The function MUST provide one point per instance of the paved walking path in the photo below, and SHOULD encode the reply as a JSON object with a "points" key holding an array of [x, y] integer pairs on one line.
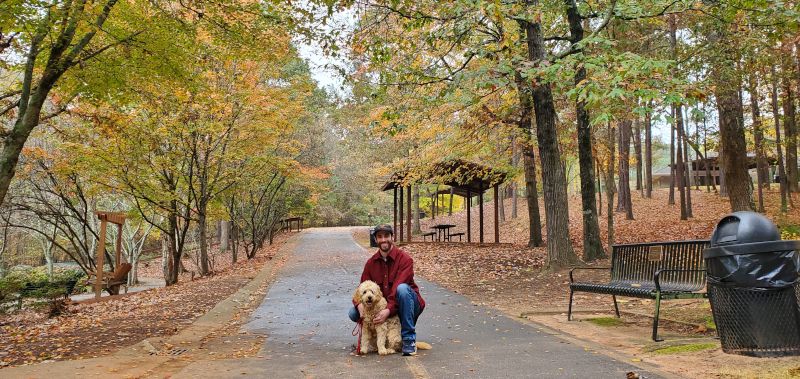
{"points": [[304, 317]]}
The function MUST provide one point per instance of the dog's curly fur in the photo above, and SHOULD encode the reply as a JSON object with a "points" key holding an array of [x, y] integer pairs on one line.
{"points": [[384, 337]]}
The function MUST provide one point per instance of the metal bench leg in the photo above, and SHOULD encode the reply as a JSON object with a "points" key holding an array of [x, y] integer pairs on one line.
{"points": [[616, 307], [569, 311], [655, 319]]}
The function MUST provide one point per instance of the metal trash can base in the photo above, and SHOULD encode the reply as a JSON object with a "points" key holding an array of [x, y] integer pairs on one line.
{"points": [[776, 330]]}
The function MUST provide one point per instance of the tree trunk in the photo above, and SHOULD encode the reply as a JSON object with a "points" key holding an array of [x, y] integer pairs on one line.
{"points": [[679, 173], [501, 212], [687, 164], [417, 229], [224, 235], [734, 156], [680, 169], [234, 242], [782, 184], [624, 202], [671, 200], [706, 162], [637, 147], [174, 264], [133, 275], [723, 188], [201, 224], [598, 175], [529, 162], [592, 245], [48, 257], [559, 247], [648, 153], [789, 130], [532, 195], [758, 136], [610, 187], [513, 188]]}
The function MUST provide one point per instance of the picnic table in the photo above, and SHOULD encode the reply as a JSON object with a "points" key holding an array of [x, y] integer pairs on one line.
{"points": [[443, 230], [287, 223]]}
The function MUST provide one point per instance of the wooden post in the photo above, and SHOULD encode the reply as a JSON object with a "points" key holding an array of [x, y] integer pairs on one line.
{"points": [[400, 221], [408, 209], [480, 211], [394, 219], [496, 216], [469, 217], [99, 261], [118, 246]]}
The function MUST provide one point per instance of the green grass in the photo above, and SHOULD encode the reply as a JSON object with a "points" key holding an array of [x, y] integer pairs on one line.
{"points": [[689, 348], [710, 322], [606, 321]]}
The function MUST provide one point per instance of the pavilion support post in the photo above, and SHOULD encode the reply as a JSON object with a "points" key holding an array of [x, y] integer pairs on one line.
{"points": [[450, 208], [480, 212], [469, 215], [394, 218], [99, 261], [400, 221], [408, 211], [496, 215]]}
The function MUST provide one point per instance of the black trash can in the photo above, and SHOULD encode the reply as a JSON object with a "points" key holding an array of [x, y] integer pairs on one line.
{"points": [[372, 242], [753, 287]]}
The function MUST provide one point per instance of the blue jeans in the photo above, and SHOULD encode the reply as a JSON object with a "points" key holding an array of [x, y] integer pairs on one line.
{"points": [[408, 311]]}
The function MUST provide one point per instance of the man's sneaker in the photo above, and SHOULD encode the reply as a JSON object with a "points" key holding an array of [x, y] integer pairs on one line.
{"points": [[409, 348]]}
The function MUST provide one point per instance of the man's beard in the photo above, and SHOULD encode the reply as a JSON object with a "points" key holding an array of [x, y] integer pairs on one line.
{"points": [[388, 246]]}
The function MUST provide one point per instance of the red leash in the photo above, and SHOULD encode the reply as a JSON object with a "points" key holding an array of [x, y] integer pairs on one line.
{"points": [[358, 333]]}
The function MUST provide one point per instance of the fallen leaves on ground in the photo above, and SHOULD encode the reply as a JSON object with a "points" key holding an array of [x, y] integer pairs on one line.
{"points": [[512, 277], [96, 329]]}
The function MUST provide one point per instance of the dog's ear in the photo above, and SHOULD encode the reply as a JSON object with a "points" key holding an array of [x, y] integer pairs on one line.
{"points": [[357, 295]]}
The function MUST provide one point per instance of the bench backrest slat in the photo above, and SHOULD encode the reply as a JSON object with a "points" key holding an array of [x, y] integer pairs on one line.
{"points": [[634, 263]]}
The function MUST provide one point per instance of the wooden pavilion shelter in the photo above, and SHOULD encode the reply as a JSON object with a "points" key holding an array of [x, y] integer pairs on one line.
{"points": [[467, 179]]}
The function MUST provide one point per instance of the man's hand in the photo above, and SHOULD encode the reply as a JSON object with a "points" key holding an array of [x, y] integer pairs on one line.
{"points": [[381, 317], [360, 310]]}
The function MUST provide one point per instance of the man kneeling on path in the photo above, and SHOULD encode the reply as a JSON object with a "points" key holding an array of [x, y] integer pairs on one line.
{"points": [[393, 270]]}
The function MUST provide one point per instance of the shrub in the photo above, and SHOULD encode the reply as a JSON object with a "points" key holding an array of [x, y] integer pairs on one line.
{"points": [[33, 283], [790, 232]]}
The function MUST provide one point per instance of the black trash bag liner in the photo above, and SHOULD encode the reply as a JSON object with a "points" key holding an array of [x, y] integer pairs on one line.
{"points": [[773, 264]]}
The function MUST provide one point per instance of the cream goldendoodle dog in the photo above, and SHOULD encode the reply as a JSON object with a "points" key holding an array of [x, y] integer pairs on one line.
{"points": [[386, 336]]}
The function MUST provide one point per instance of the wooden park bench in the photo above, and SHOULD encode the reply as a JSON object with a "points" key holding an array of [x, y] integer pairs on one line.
{"points": [[428, 234], [655, 270], [459, 234], [112, 281]]}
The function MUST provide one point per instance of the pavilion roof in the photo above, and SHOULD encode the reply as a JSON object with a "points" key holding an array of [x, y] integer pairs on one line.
{"points": [[462, 175]]}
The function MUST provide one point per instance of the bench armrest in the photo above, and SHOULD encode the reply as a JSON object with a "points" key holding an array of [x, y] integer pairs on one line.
{"points": [[571, 280], [658, 273]]}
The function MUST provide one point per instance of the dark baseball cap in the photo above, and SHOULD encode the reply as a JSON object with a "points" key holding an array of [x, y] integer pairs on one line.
{"points": [[383, 228]]}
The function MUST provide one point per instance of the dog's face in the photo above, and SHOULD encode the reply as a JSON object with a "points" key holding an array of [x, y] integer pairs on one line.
{"points": [[368, 293]]}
